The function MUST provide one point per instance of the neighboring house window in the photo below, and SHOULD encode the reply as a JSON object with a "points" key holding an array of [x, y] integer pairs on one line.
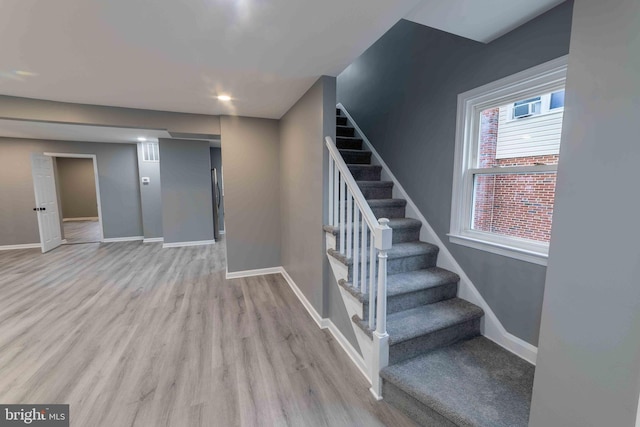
{"points": [[150, 152], [507, 150]]}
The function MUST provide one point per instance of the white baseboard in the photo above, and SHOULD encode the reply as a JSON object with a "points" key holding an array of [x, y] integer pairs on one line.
{"points": [[326, 323], [492, 327], [23, 246], [123, 239], [251, 273], [82, 218], [185, 244], [153, 240]]}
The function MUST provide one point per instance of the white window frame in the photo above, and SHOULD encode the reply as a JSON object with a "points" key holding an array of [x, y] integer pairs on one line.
{"points": [[545, 78]]}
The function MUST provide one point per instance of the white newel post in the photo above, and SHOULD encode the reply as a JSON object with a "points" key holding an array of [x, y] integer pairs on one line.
{"points": [[380, 336]]}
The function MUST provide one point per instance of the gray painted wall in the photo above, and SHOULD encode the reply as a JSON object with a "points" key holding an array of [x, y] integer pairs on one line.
{"points": [[403, 93], [251, 159], [588, 371], [52, 111], [150, 196], [117, 173], [77, 187], [187, 212], [216, 162]]}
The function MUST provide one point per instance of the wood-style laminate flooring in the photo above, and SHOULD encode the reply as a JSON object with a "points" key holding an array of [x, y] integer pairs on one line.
{"points": [[81, 231], [130, 334]]}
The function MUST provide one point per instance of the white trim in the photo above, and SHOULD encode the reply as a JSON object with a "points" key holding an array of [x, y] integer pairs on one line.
{"points": [[492, 328], [153, 240], [185, 244], [221, 231], [95, 176], [122, 239], [251, 273], [23, 246], [82, 218], [543, 78], [326, 323], [522, 254]]}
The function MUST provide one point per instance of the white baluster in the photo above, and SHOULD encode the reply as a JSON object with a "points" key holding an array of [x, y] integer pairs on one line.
{"points": [[363, 256], [331, 201], [343, 209], [356, 252], [372, 283], [336, 192], [349, 222]]}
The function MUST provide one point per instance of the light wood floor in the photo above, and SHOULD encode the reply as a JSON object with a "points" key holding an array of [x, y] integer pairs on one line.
{"points": [[130, 334], [81, 231]]}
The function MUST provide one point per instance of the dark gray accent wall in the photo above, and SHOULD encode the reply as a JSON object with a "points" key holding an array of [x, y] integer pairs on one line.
{"points": [[251, 160], [403, 93], [119, 190], [216, 162], [588, 371], [187, 212], [150, 197], [77, 186]]}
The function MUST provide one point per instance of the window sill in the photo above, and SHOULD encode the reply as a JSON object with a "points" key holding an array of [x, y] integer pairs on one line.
{"points": [[504, 249]]}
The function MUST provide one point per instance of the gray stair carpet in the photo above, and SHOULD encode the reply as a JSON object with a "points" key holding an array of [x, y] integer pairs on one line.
{"points": [[441, 371]]}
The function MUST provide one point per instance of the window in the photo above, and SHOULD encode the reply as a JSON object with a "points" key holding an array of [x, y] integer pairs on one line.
{"points": [[150, 152], [507, 150]]}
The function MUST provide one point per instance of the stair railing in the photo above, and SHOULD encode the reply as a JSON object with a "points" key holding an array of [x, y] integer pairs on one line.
{"points": [[360, 235]]}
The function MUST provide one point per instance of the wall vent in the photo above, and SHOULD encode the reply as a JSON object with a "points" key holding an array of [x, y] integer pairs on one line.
{"points": [[150, 152]]}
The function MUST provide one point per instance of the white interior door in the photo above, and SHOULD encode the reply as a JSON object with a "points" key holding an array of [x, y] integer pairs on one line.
{"points": [[44, 184]]}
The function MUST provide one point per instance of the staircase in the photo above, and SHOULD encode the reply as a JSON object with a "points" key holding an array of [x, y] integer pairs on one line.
{"points": [[440, 370]]}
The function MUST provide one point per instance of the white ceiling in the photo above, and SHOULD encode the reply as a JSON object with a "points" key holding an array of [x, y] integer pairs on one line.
{"points": [[178, 55], [68, 132], [480, 20]]}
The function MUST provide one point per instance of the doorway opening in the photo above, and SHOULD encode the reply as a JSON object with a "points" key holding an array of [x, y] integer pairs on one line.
{"points": [[78, 200]]}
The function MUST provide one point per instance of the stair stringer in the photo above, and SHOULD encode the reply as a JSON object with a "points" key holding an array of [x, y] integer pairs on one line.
{"points": [[353, 306], [491, 326]]}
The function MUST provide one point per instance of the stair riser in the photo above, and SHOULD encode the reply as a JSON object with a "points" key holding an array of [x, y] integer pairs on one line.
{"points": [[341, 121], [415, 409], [346, 131], [371, 193], [399, 235], [348, 144], [403, 265], [355, 158], [365, 174], [403, 302], [389, 212], [442, 338]]}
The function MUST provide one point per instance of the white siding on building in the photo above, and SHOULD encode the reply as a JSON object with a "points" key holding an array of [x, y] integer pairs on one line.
{"points": [[530, 136]]}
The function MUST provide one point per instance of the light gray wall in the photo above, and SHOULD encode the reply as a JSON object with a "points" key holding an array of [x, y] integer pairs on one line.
{"points": [[119, 190], [187, 212], [251, 160], [588, 371], [403, 93], [216, 162], [150, 196], [52, 111], [303, 165], [77, 187]]}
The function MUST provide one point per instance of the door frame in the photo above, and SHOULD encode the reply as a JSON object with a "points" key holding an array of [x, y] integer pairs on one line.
{"points": [[96, 177]]}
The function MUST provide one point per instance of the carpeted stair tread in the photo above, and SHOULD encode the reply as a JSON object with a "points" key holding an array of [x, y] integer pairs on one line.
{"points": [[470, 383], [366, 172], [398, 250], [387, 203], [385, 184], [410, 282]]}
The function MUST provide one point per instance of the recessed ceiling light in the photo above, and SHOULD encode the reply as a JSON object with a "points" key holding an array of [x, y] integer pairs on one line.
{"points": [[142, 139], [224, 98]]}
